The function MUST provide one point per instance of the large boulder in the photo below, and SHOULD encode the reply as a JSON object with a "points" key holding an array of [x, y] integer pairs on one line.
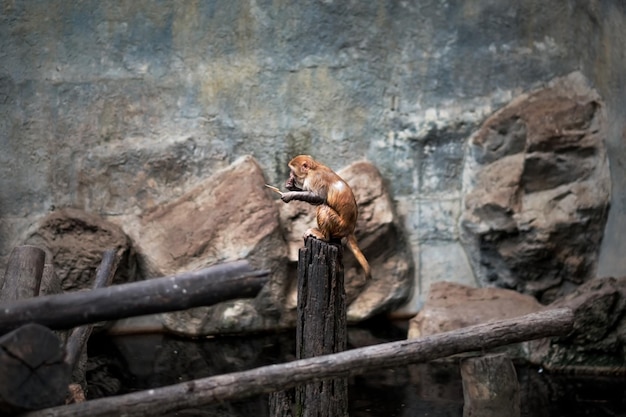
{"points": [[75, 241], [451, 306], [227, 217], [537, 191], [379, 236]]}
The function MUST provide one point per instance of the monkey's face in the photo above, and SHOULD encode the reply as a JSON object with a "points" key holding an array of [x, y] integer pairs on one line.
{"points": [[299, 166], [293, 184]]}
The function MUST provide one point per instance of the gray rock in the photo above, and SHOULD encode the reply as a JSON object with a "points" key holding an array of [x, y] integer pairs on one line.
{"points": [[537, 191], [598, 338]]}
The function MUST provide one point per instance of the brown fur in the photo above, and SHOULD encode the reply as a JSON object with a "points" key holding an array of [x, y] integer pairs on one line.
{"points": [[337, 216]]}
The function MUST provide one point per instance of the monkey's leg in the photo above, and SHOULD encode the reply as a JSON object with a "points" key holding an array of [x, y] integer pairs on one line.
{"points": [[329, 225]]}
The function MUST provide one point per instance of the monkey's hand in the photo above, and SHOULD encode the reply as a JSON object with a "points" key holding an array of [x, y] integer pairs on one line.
{"points": [[307, 196]]}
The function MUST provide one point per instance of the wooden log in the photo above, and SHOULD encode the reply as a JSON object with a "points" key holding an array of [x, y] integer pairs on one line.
{"points": [[321, 327], [178, 292], [490, 387], [23, 273], [33, 374], [267, 379]]}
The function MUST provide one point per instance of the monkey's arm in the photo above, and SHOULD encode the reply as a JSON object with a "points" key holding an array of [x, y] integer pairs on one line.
{"points": [[307, 196]]}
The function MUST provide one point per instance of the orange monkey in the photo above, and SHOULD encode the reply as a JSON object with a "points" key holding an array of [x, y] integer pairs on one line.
{"points": [[337, 211]]}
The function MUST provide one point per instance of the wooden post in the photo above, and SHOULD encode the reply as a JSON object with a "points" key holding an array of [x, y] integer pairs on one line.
{"points": [[23, 274], [490, 387], [321, 328]]}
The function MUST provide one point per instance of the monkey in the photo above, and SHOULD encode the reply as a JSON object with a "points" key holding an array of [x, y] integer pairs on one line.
{"points": [[337, 211]]}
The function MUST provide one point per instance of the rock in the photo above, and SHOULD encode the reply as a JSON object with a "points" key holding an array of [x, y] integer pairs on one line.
{"points": [[74, 241], [227, 217], [537, 190], [379, 236], [452, 306], [598, 339]]}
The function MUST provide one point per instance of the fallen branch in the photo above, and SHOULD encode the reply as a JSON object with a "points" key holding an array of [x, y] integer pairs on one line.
{"points": [[267, 379], [192, 289], [75, 352]]}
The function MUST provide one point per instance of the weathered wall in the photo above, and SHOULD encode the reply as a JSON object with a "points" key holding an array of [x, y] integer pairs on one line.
{"points": [[115, 107]]}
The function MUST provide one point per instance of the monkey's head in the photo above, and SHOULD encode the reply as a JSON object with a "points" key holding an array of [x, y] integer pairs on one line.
{"points": [[300, 167]]}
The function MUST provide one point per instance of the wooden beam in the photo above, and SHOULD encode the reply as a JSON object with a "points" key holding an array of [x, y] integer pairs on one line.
{"points": [[267, 379], [178, 292]]}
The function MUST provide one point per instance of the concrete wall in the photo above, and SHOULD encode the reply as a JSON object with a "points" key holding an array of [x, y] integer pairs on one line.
{"points": [[115, 107]]}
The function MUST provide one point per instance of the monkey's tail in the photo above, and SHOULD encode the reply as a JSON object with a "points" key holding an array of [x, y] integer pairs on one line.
{"points": [[354, 247]]}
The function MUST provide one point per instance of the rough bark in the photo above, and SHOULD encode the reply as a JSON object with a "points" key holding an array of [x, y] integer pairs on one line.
{"points": [[321, 328]]}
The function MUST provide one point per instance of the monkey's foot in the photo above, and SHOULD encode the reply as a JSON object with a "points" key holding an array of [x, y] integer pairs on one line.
{"points": [[315, 233]]}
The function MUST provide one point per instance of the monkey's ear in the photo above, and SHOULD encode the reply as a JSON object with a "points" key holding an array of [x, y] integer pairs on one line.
{"points": [[305, 166]]}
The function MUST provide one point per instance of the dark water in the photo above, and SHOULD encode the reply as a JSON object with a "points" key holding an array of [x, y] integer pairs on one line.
{"points": [[125, 364]]}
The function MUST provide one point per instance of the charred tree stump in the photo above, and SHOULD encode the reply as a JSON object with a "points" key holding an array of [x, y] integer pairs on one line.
{"points": [[321, 327], [23, 274], [33, 374], [490, 387]]}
